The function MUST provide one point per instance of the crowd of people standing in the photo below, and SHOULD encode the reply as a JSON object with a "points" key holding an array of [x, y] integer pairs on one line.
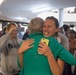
{"points": [[29, 56]]}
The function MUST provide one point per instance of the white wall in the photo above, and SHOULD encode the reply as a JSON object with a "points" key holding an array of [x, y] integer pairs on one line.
{"points": [[70, 18]]}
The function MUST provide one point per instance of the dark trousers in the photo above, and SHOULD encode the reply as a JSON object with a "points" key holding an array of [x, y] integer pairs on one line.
{"points": [[16, 74], [75, 71], [1, 74], [67, 70]]}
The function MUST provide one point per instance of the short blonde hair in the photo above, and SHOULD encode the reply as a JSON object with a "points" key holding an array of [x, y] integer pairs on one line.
{"points": [[36, 25]]}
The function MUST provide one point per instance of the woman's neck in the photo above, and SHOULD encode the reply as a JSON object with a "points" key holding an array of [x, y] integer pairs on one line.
{"points": [[13, 37]]}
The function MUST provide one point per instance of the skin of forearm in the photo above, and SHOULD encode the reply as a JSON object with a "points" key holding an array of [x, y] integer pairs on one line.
{"points": [[21, 59], [56, 70], [20, 53]]}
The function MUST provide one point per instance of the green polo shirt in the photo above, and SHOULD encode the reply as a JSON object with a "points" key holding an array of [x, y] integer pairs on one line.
{"points": [[37, 64]]}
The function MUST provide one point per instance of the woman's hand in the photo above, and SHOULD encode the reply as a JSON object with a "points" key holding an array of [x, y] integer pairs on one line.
{"points": [[44, 49], [26, 45], [56, 66], [13, 29]]}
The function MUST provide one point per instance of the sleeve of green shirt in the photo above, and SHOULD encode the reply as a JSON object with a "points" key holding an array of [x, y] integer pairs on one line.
{"points": [[60, 52], [65, 55]]}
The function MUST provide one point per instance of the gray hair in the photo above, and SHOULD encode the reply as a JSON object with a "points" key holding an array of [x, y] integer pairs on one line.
{"points": [[36, 25]]}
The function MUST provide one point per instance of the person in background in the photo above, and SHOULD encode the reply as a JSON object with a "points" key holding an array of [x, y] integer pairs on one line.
{"points": [[40, 52], [67, 70], [72, 41], [26, 34], [9, 44], [66, 29], [3, 31], [61, 30], [20, 31], [72, 45]]}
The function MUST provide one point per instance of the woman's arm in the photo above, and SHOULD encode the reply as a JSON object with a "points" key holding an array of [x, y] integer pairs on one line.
{"points": [[5, 38], [55, 66], [21, 59], [61, 64], [24, 47]]}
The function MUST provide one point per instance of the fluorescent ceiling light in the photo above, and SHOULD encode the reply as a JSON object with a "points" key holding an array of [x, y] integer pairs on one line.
{"points": [[25, 19], [1, 2], [19, 18], [41, 9]]}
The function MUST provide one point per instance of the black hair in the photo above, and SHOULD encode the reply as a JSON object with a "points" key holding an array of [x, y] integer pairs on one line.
{"points": [[55, 19], [65, 27]]}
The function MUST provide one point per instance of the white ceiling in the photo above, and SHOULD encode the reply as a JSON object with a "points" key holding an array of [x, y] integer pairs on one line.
{"points": [[10, 9]]}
